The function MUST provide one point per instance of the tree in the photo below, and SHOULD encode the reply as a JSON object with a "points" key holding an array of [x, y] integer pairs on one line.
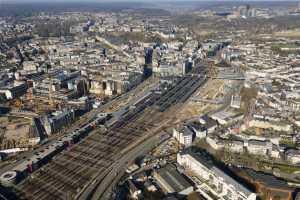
{"points": [[194, 196]]}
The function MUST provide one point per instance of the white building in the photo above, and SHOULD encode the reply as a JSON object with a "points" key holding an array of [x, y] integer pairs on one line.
{"points": [[212, 182], [275, 153], [184, 136], [235, 146], [258, 147], [207, 126], [200, 131]]}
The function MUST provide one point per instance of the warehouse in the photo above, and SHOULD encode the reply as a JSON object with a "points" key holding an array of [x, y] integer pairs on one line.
{"points": [[171, 181]]}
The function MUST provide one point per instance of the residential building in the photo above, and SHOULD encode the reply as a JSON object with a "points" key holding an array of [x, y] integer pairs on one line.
{"points": [[212, 182], [235, 146], [258, 147], [184, 136]]}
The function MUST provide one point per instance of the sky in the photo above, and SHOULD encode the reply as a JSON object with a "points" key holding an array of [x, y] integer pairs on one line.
{"points": [[7, 1], [140, 1]]}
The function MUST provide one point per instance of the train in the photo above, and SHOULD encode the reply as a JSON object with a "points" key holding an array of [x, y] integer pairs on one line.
{"points": [[43, 156]]}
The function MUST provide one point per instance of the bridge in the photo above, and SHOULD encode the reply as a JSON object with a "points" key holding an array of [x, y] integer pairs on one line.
{"points": [[211, 101], [229, 76]]}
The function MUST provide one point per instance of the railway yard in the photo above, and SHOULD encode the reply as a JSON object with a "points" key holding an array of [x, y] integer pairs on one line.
{"points": [[68, 174], [129, 100]]}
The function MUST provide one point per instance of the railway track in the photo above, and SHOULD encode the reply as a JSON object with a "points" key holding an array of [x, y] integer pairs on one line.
{"points": [[70, 171], [180, 92]]}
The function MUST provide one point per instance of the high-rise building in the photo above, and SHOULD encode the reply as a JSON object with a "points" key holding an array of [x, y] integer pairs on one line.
{"points": [[246, 11], [252, 12], [148, 55]]}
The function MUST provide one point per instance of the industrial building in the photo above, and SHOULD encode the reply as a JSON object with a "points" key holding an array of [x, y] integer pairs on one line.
{"points": [[172, 182]]}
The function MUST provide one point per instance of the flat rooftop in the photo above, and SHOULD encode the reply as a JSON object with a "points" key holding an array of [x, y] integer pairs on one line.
{"points": [[173, 178]]}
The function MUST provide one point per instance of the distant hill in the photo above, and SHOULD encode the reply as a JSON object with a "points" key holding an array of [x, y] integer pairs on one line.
{"points": [[150, 7], [29, 9]]}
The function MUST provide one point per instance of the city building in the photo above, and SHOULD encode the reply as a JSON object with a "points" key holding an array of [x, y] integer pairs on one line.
{"points": [[29, 66], [235, 146], [14, 90], [273, 187], [57, 120], [184, 136], [258, 147], [210, 181]]}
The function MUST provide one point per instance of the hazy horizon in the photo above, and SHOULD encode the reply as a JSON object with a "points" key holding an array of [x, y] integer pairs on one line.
{"points": [[140, 1]]}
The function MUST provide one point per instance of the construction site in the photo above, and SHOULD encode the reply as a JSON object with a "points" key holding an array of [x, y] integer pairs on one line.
{"points": [[38, 102], [17, 132]]}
